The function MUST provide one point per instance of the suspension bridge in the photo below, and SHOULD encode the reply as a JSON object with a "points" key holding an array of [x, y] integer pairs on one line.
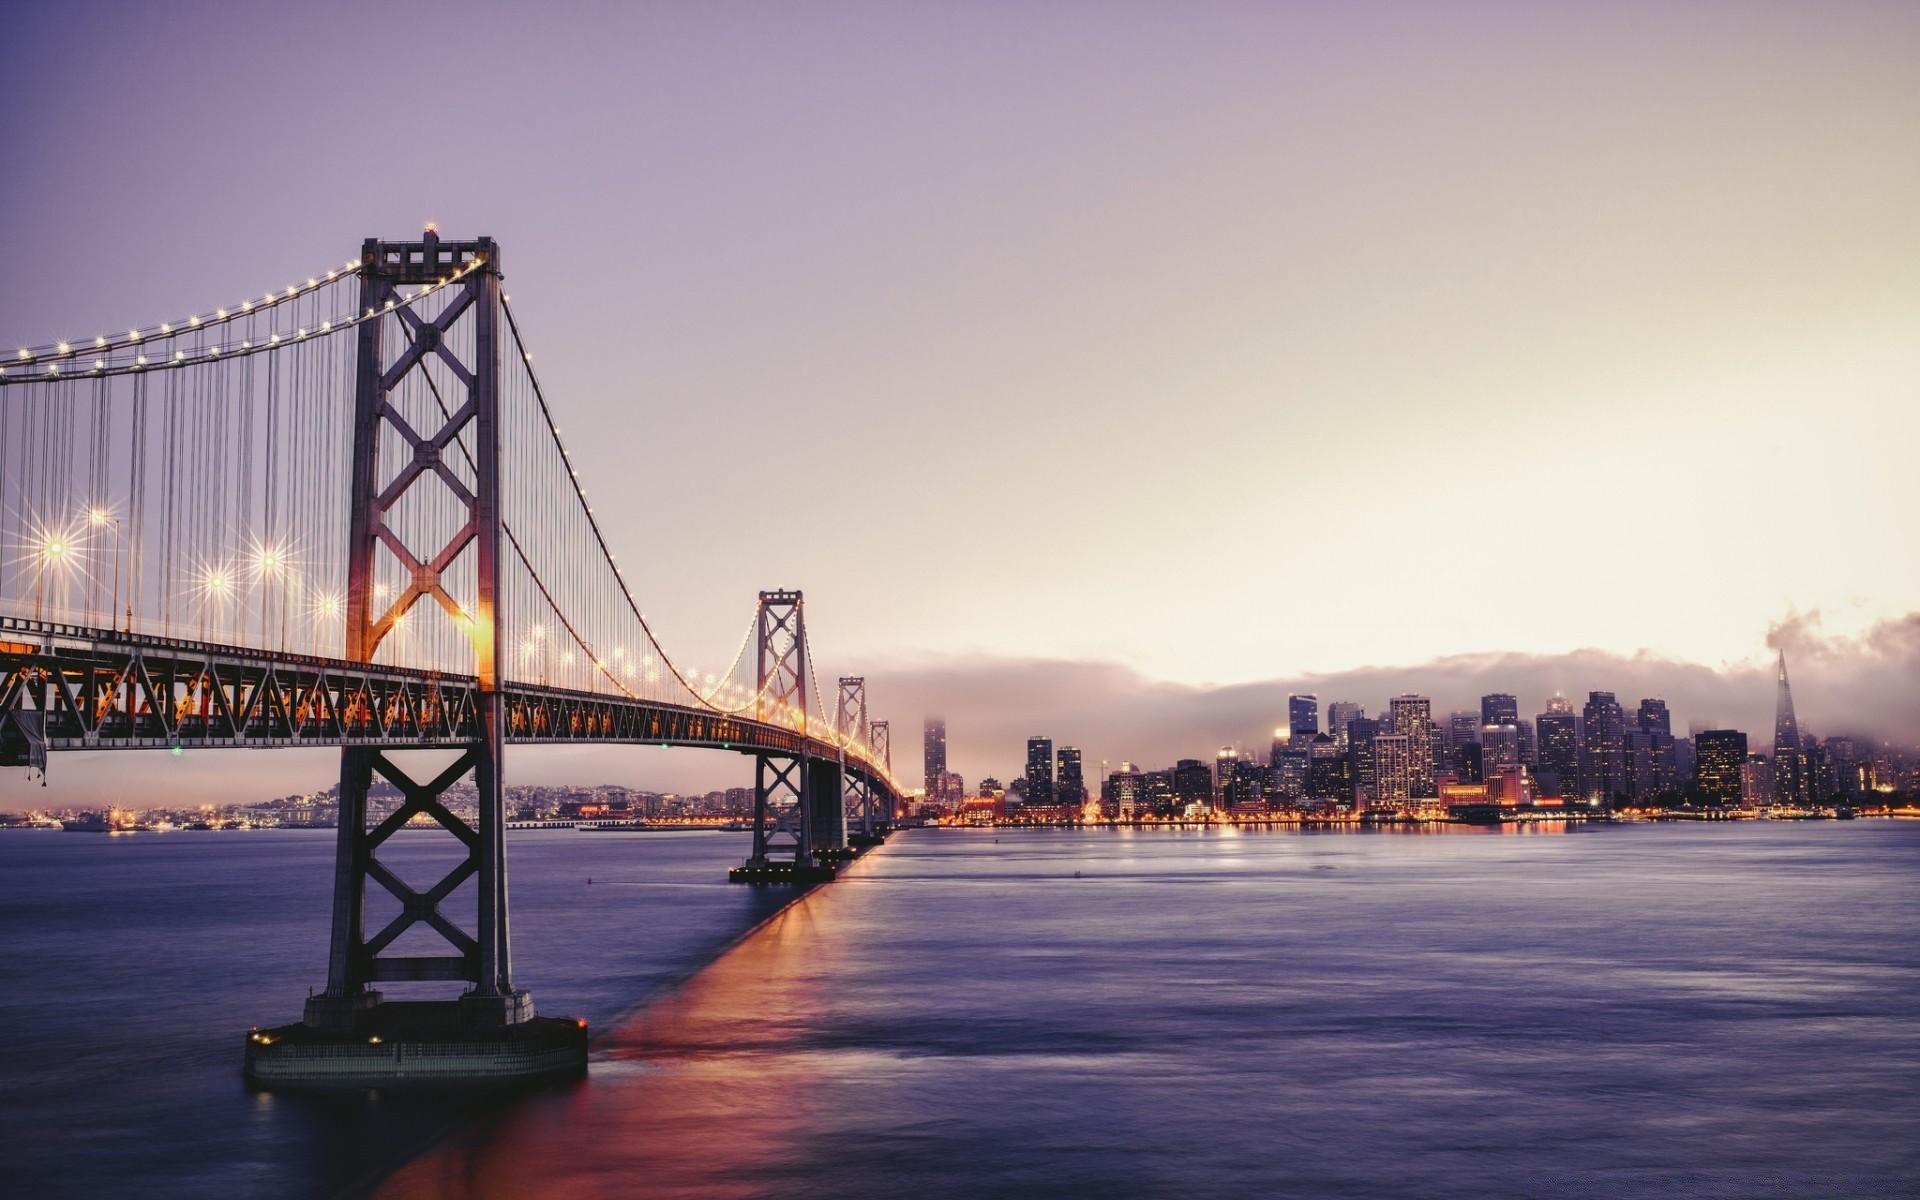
{"points": [[341, 514]]}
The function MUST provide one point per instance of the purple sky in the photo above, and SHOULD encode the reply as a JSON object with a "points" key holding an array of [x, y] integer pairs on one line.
{"points": [[1186, 344]]}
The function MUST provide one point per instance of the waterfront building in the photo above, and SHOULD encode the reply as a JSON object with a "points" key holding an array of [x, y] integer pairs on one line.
{"points": [[1303, 716], [1603, 757], [935, 748], [1721, 755], [1529, 751], [1510, 785], [1069, 780], [1395, 768], [1039, 771], [1123, 793], [1412, 718], [1192, 783]]}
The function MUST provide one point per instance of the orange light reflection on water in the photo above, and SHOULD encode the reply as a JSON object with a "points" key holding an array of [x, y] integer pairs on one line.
{"points": [[700, 1094]]}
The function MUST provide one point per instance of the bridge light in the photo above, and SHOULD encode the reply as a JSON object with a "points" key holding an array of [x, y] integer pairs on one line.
{"points": [[165, 328], [194, 321], [99, 340], [26, 356], [65, 349], [98, 517], [221, 313]]}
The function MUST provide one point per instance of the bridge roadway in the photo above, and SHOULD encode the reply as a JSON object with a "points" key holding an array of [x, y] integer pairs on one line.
{"points": [[75, 687]]}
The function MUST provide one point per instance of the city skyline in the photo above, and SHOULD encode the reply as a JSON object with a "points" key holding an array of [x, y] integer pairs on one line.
{"points": [[1240, 314], [1219, 245]]}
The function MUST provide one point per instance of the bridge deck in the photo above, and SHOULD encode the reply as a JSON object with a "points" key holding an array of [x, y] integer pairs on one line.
{"points": [[73, 687]]}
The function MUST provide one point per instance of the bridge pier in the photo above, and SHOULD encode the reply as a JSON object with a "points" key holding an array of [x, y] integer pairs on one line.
{"points": [[351, 1033]]}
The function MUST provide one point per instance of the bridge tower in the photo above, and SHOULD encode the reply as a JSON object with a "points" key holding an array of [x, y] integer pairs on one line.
{"points": [[796, 797], [395, 456], [880, 746], [856, 790]]}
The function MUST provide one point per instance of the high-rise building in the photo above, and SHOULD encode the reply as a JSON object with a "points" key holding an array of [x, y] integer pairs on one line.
{"points": [[1657, 723], [1290, 773], [1467, 763], [1069, 782], [1040, 771], [1412, 718], [1499, 709], [1395, 767], [1192, 782], [1499, 747], [1360, 765], [1326, 770], [1339, 714], [1123, 792], [1558, 736], [1303, 716], [1790, 781], [1603, 765], [936, 755], [1756, 781], [1721, 755], [1462, 727], [1529, 751]]}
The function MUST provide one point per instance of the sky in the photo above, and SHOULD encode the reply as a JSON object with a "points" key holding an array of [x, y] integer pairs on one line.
{"points": [[1221, 349]]}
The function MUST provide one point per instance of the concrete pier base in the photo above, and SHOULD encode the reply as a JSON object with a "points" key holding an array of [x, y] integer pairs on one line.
{"points": [[442, 1043]]}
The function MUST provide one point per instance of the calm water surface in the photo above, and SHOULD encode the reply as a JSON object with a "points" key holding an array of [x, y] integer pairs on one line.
{"points": [[1628, 1011]]}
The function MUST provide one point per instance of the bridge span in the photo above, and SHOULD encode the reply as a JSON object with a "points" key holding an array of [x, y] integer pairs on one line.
{"points": [[340, 514]]}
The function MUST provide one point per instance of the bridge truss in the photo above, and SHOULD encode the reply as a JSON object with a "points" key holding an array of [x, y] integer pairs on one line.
{"points": [[341, 514]]}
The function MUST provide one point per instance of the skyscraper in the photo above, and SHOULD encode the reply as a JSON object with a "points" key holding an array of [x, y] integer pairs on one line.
{"points": [[1603, 765], [1499, 709], [1069, 782], [936, 755], [1394, 767], [1499, 747], [1462, 727], [1412, 718], [1339, 714], [1657, 723], [1040, 771], [1360, 765], [1789, 754], [1721, 755], [1303, 716], [1558, 737]]}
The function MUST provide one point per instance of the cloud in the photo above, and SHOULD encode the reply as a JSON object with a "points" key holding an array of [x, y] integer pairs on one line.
{"points": [[1867, 684]]}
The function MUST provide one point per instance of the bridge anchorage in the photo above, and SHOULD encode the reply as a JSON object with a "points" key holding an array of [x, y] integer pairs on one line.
{"points": [[341, 515]]}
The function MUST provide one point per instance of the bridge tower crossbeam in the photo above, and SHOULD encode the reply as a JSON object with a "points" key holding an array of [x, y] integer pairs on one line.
{"points": [[856, 789], [470, 423]]}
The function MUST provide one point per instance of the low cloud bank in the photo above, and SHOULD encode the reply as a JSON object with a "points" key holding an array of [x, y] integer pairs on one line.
{"points": [[1867, 684]]}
